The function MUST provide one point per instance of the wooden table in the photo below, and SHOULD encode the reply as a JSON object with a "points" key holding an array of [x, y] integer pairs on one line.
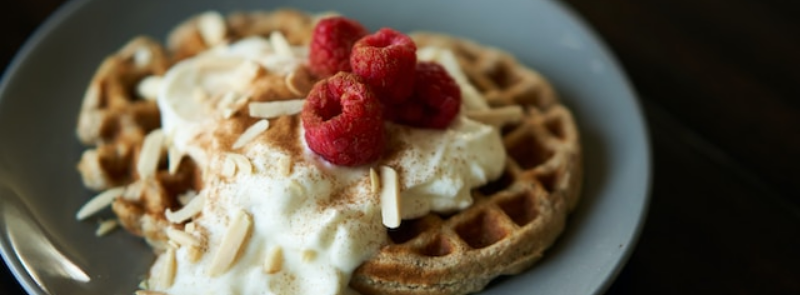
{"points": [[720, 85]]}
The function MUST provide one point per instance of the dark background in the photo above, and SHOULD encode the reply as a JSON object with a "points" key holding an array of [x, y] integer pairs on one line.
{"points": [[719, 81]]}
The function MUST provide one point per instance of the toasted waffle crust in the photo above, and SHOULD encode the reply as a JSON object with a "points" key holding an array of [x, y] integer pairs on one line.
{"points": [[515, 218], [512, 222]]}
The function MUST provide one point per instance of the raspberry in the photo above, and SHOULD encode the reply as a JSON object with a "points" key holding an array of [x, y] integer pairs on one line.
{"points": [[343, 121], [436, 99], [331, 42], [386, 60]]}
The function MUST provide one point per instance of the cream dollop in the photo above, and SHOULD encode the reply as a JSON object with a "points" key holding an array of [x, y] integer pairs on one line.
{"points": [[324, 219]]}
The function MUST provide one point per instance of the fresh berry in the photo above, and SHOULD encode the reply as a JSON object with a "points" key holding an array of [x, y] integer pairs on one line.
{"points": [[386, 60], [343, 121], [436, 99], [331, 42]]}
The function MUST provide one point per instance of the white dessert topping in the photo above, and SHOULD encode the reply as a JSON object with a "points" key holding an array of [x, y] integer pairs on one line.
{"points": [[308, 220]]}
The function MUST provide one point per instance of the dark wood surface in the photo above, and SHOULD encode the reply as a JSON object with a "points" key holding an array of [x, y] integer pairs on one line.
{"points": [[719, 81]]}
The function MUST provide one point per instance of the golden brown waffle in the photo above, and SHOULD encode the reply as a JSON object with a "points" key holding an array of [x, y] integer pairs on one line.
{"points": [[513, 221], [187, 40], [515, 218], [114, 117]]}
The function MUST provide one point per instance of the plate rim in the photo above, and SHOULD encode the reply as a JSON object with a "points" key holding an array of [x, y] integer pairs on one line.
{"points": [[67, 9]]}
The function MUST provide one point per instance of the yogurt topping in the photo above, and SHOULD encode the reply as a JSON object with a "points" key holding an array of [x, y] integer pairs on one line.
{"points": [[324, 218]]}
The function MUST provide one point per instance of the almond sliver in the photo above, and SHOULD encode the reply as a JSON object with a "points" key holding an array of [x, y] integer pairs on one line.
{"points": [[285, 165], [167, 272], [390, 197], [281, 46], [273, 109], [212, 27], [194, 207], [241, 162], [228, 167], [251, 133], [99, 202], [174, 156], [150, 154], [106, 227], [374, 181], [248, 71], [309, 255], [149, 87], [232, 242], [182, 238], [274, 260]]}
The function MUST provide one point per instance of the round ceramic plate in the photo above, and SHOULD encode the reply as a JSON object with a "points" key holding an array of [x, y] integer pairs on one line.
{"points": [[52, 253]]}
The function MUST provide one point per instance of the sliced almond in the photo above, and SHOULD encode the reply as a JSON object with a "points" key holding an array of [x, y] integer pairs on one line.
{"points": [[309, 255], [133, 191], [182, 238], [166, 274], [374, 181], [150, 154], [273, 263], [231, 102], [274, 109], [194, 253], [194, 207], [149, 87], [232, 243], [251, 133], [174, 157], [99, 202], [241, 162], [248, 71], [173, 244], [142, 285], [390, 197], [281, 46], [91, 99], [212, 27], [190, 227], [299, 82], [285, 165], [228, 167], [497, 116], [228, 113], [106, 227], [228, 99]]}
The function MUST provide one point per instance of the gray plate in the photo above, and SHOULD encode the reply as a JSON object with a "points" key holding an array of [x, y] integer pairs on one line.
{"points": [[40, 95]]}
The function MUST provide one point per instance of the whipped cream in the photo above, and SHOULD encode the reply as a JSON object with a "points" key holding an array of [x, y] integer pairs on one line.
{"points": [[324, 218]]}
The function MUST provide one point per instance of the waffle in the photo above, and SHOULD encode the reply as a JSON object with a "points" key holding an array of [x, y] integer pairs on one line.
{"points": [[513, 220], [113, 118]]}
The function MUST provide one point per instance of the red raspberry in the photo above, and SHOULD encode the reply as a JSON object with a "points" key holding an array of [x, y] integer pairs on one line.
{"points": [[436, 99], [343, 121], [331, 41], [386, 60]]}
